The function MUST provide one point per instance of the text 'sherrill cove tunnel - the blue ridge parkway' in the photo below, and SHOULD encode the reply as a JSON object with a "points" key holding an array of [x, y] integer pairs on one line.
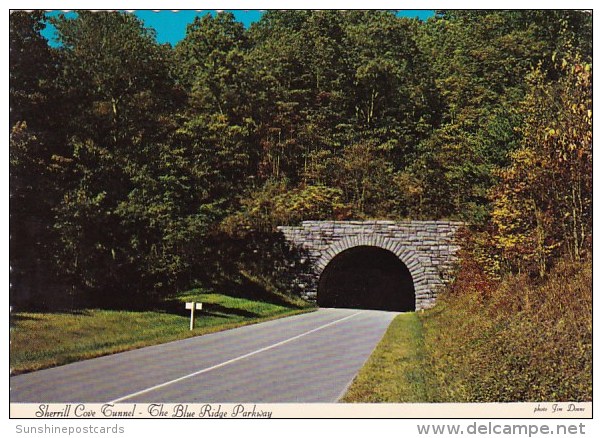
{"points": [[382, 265]]}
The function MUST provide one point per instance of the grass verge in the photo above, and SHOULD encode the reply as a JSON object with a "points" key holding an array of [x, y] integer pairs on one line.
{"points": [[394, 373], [43, 340]]}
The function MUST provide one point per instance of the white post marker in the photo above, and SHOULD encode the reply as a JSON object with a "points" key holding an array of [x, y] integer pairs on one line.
{"points": [[193, 306]]}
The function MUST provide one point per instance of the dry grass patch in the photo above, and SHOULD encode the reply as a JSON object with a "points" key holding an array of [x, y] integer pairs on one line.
{"points": [[521, 341]]}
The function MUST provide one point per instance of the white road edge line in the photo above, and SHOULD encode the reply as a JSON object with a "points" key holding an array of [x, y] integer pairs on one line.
{"points": [[219, 365]]}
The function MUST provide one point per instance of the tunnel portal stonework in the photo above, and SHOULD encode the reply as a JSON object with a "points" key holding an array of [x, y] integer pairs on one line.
{"points": [[426, 248]]}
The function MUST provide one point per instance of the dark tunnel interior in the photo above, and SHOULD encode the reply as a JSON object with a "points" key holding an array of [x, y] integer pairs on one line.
{"points": [[367, 277]]}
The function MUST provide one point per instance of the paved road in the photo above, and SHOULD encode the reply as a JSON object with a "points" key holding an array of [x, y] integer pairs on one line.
{"points": [[304, 358]]}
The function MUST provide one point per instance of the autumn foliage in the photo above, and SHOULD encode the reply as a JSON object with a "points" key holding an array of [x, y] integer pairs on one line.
{"points": [[542, 206]]}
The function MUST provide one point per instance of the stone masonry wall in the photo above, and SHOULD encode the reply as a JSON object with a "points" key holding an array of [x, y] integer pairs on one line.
{"points": [[427, 248]]}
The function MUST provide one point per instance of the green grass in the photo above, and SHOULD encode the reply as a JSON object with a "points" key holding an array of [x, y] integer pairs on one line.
{"points": [[394, 373], [43, 340]]}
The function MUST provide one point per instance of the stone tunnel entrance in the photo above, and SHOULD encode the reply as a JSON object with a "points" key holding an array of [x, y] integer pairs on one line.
{"points": [[367, 277]]}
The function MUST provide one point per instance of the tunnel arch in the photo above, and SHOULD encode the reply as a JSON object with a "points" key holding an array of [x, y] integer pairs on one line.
{"points": [[367, 277], [428, 249], [408, 259]]}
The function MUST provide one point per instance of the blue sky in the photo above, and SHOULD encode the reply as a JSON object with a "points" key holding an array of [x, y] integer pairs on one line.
{"points": [[171, 26]]}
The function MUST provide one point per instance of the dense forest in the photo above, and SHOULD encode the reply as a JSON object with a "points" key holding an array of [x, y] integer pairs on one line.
{"points": [[139, 169]]}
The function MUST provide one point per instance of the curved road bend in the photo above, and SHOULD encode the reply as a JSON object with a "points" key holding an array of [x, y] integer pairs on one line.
{"points": [[311, 357]]}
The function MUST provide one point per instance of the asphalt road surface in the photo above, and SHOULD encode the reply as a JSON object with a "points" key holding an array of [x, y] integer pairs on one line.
{"points": [[304, 358]]}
